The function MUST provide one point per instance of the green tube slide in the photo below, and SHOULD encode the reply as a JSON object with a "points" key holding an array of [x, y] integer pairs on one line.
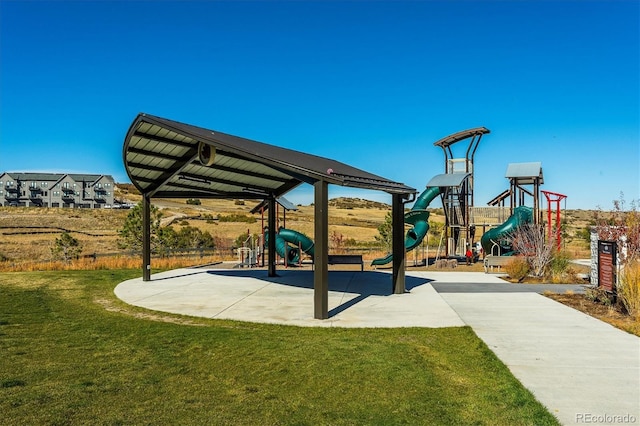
{"points": [[497, 241], [284, 237], [418, 216]]}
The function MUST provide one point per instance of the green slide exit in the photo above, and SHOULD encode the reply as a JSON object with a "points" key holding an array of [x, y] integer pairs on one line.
{"points": [[497, 240], [284, 250]]}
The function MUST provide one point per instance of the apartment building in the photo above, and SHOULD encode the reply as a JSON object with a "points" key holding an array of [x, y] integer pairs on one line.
{"points": [[56, 190]]}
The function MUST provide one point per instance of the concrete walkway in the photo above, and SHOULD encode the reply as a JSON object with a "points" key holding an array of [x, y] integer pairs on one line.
{"points": [[583, 370], [356, 299]]}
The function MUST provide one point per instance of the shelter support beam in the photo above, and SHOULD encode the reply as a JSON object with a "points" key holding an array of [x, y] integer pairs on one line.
{"points": [[146, 238], [399, 252], [271, 224], [321, 251]]}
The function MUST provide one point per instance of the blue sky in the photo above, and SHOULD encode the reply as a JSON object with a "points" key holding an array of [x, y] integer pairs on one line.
{"points": [[373, 84]]}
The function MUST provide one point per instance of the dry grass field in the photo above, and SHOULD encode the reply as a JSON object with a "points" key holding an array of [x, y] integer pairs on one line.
{"points": [[28, 234]]}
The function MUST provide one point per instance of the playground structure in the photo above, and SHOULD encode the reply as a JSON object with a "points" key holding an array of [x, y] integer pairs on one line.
{"points": [[496, 241], [250, 252], [301, 244], [284, 237], [418, 217], [456, 189], [498, 220], [458, 195]]}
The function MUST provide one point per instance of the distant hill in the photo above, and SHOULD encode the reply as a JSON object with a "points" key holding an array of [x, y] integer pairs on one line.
{"points": [[356, 203]]}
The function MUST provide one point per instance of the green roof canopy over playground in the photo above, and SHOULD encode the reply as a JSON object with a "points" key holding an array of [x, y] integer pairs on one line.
{"points": [[169, 159]]}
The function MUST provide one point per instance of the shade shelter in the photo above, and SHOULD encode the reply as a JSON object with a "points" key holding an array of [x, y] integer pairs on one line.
{"points": [[169, 159]]}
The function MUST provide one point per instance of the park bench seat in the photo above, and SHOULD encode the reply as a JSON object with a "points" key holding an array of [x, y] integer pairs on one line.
{"points": [[346, 259], [491, 262]]}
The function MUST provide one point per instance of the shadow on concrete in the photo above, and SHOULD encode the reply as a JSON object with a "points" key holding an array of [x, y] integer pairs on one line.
{"points": [[364, 284], [171, 277]]}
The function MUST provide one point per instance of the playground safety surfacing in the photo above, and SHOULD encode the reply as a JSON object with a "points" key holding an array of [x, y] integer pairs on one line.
{"points": [[577, 366]]}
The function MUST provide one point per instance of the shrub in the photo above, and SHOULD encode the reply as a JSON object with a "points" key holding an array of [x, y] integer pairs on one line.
{"points": [[629, 288], [239, 202], [350, 242], [235, 217], [559, 262], [530, 240], [66, 248], [247, 239], [599, 295], [336, 241], [518, 268], [194, 201], [559, 269]]}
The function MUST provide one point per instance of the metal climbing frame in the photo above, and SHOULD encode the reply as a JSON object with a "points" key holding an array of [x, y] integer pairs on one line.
{"points": [[458, 200]]}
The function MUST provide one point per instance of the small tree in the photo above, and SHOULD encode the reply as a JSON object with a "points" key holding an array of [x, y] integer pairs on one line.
{"points": [[131, 232], [336, 241], [194, 238], [435, 230], [529, 241], [66, 248], [167, 240], [385, 230]]}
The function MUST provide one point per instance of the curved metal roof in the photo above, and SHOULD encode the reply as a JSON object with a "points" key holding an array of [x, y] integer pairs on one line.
{"points": [[169, 159], [457, 137]]}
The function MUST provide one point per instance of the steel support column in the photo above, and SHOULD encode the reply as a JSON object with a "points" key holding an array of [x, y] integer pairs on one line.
{"points": [[146, 238], [321, 251], [399, 252], [271, 224]]}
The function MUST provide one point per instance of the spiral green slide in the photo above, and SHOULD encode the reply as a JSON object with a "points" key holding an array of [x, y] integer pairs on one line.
{"points": [[418, 216], [284, 250], [498, 238]]}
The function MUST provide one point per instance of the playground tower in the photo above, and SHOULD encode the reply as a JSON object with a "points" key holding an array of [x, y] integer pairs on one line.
{"points": [[457, 189], [525, 180]]}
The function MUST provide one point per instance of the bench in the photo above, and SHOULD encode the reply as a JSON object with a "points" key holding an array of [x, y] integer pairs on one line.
{"points": [[346, 259], [491, 262]]}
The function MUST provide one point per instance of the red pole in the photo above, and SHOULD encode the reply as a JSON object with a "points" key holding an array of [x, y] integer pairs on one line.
{"points": [[557, 199], [558, 224], [548, 218]]}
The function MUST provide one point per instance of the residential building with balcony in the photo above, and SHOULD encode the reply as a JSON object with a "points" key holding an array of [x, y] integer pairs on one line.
{"points": [[56, 190]]}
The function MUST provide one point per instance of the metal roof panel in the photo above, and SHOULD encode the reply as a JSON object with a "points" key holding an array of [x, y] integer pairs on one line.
{"points": [[246, 163], [525, 170]]}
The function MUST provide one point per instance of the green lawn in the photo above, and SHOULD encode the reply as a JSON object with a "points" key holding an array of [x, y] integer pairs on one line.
{"points": [[71, 353]]}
